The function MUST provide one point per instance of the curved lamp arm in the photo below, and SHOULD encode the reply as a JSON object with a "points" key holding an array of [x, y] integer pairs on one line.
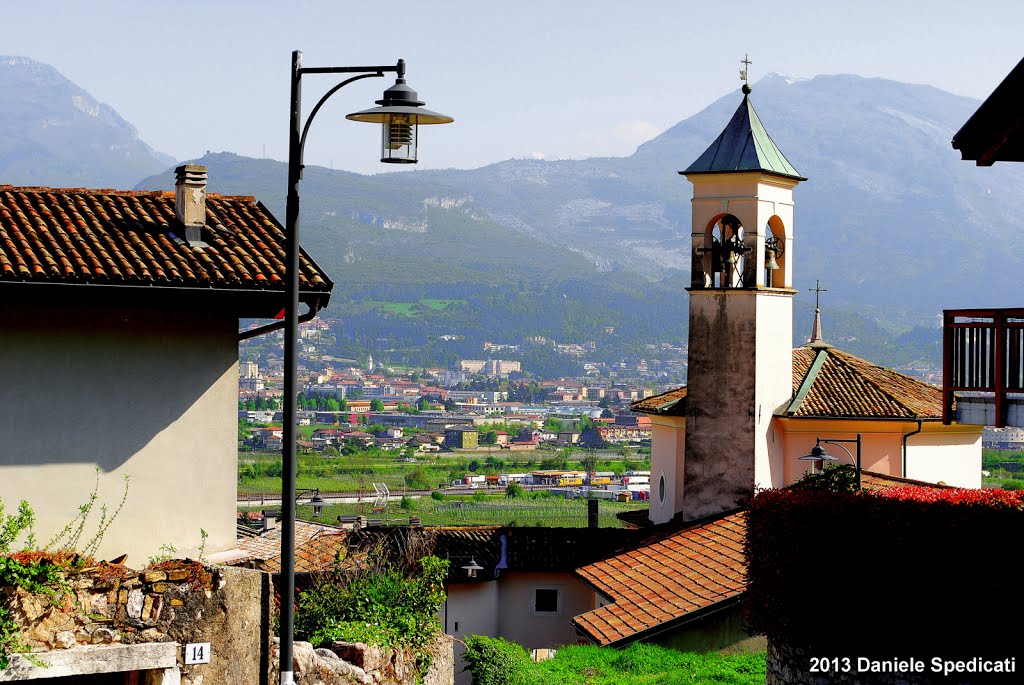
{"points": [[837, 444], [327, 95]]}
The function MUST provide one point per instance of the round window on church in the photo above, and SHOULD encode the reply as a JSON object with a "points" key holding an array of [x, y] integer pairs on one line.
{"points": [[661, 488]]}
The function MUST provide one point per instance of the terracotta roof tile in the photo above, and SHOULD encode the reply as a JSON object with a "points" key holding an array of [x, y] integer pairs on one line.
{"points": [[666, 578], [117, 237], [669, 402], [676, 573], [844, 387], [267, 547], [850, 387]]}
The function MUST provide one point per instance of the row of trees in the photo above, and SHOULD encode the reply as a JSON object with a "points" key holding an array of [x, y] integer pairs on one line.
{"points": [[259, 404]]}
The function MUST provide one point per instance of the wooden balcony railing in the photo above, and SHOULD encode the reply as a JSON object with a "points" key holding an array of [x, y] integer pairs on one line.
{"points": [[982, 351]]}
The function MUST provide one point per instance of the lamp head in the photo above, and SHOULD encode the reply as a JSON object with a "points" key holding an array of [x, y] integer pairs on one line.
{"points": [[471, 568], [317, 502], [818, 453], [400, 113]]}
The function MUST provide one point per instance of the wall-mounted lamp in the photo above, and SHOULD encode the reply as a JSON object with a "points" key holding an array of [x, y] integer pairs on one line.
{"points": [[471, 568], [819, 456]]}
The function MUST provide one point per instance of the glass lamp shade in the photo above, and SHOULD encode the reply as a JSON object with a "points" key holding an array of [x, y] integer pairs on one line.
{"points": [[398, 140]]}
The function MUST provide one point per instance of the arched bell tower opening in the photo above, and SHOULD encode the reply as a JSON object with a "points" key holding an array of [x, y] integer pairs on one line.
{"points": [[775, 261], [741, 317], [719, 259]]}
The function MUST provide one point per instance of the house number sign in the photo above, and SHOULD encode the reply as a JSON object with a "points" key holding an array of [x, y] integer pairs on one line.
{"points": [[197, 653]]}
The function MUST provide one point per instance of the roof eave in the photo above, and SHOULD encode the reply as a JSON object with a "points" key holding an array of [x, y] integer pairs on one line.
{"points": [[671, 624], [768, 172]]}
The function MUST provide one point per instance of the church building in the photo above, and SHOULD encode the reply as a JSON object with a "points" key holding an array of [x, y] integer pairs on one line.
{"points": [[752, 407]]}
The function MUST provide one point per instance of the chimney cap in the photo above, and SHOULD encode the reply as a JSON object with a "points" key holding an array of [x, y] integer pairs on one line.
{"points": [[190, 173], [190, 167]]}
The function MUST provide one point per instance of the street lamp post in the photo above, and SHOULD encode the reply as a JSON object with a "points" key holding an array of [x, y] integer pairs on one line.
{"points": [[400, 113], [818, 453]]}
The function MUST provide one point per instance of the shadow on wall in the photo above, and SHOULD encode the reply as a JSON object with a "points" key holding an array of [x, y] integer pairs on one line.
{"points": [[96, 384]]}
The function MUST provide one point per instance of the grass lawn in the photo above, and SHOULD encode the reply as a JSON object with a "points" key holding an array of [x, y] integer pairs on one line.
{"points": [[642, 664]]}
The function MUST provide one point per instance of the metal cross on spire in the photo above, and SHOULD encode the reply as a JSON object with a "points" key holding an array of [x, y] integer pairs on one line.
{"points": [[746, 67], [817, 290], [816, 338]]}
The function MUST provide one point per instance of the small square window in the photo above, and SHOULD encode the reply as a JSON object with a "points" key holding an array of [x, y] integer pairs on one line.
{"points": [[545, 601]]}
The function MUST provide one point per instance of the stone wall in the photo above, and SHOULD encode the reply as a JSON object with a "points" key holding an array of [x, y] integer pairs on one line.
{"points": [[347, 663], [177, 603]]}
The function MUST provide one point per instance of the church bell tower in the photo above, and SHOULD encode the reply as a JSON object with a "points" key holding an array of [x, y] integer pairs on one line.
{"points": [[741, 316]]}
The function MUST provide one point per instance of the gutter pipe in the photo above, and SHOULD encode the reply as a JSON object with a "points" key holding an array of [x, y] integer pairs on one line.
{"points": [[278, 325], [913, 432]]}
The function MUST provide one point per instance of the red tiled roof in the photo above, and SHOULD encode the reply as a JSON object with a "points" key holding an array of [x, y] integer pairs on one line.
{"points": [[492, 547], [669, 402], [312, 555], [121, 238], [842, 386], [850, 387], [267, 546], [678, 573], [666, 579]]}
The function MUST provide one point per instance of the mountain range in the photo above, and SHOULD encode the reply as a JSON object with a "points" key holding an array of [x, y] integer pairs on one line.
{"points": [[890, 220], [54, 133]]}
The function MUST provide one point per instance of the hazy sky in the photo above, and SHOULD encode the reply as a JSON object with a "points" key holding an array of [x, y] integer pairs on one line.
{"points": [[552, 79]]}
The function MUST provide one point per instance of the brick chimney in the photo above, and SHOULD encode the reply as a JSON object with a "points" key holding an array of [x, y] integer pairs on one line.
{"points": [[190, 201]]}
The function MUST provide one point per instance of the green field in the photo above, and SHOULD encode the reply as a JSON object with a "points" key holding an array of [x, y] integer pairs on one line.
{"points": [[413, 308], [259, 472], [1005, 468], [480, 510]]}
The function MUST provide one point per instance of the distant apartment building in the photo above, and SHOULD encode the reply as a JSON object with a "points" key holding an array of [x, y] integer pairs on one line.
{"points": [[490, 367], [502, 368], [248, 370], [256, 416], [488, 396], [328, 390], [251, 384], [461, 438], [499, 347], [626, 431], [1009, 438], [472, 365], [453, 377]]}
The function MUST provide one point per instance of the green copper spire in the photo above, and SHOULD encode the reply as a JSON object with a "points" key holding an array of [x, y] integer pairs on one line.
{"points": [[744, 145]]}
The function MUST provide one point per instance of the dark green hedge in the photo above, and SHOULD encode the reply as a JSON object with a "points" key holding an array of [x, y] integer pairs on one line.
{"points": [[906, 571]]}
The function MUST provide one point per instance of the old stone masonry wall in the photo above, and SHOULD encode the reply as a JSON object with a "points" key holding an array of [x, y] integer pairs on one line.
{"points": [[112, 609], [346, 663]]}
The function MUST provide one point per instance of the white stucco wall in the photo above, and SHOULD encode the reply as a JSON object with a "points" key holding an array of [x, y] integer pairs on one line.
{"points": [[774, 384], [151, 395], [519, 623], [471, 609], [953, 458], [504, 608], [668, 442]]}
